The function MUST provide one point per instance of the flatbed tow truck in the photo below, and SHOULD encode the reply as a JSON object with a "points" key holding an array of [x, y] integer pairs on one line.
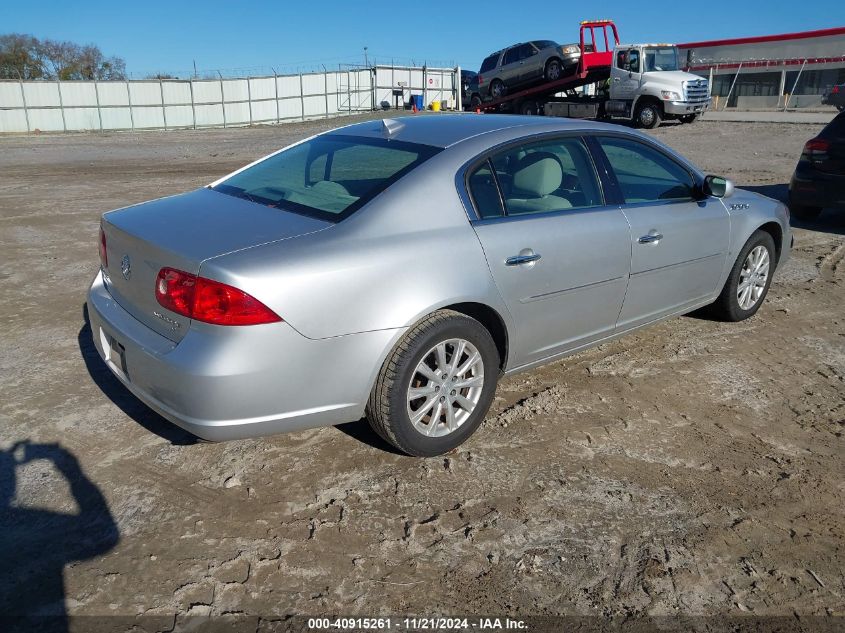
{"points": [[631, 84]]}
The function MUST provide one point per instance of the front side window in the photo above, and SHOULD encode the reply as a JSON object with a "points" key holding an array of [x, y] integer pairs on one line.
{"points": [[511, 56], [633, 60], [328, 177], [645, 174], [541, 44], [540, 177]]}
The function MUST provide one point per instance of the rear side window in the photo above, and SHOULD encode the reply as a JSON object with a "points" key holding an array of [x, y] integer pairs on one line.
{"points": [[540, 177], [835, 128], [489, 63], [328, 177], [645, 174]]}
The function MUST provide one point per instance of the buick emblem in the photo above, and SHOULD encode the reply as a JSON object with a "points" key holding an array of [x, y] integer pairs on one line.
{"points": [[126, 267]]}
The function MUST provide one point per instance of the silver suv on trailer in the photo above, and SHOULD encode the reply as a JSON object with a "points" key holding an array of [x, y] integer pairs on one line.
{"points": [[526, 63]]}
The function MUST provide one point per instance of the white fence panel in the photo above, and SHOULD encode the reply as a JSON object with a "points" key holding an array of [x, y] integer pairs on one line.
{"points": [[207, 92], [113, 93], [13, 121], [46, 120], [11, 95], [153, 104], [148, 117], [82, 119], [116, 118], [44, 94], [78, 93]]}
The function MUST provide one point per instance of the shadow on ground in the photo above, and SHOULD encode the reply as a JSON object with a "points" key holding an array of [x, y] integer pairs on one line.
{"points": [[121, 396], [36, 544]]}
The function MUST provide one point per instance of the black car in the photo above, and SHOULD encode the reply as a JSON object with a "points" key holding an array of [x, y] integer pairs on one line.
{"points": [[819, 178], [835, 97]]}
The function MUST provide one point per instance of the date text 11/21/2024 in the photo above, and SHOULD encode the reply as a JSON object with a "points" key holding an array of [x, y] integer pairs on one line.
{"points": [[417, 624]]}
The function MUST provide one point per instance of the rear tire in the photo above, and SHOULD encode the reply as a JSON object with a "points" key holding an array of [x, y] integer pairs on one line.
{"points": [[757, 256], [425, 402], [805, 213], [475, 102], [648, 115], [529, 108]]}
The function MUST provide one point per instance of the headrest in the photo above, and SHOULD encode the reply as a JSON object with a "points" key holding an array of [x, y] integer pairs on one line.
{"points": [[538, 173]]}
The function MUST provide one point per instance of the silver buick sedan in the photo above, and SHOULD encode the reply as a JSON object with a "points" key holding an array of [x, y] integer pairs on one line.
{"points": [[396, 269]]}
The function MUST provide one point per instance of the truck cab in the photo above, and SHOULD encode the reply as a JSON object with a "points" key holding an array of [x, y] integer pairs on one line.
{"points": [[647, 86]]}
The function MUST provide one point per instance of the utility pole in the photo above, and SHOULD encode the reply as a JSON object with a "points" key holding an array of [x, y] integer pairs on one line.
{"points": [[195, 69], [366, 60]]}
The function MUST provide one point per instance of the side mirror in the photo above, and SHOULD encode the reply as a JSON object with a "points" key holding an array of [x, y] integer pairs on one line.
{"points": [[717, 187]]}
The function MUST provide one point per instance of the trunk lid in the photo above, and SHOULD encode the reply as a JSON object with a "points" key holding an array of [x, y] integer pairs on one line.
{"points": [[181, 232]]}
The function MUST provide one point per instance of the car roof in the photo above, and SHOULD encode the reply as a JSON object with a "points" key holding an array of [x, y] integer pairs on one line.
{"points": [[445, 130]]}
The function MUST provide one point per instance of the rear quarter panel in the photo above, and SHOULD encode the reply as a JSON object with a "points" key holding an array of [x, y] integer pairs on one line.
{"points": [[408, 252]]}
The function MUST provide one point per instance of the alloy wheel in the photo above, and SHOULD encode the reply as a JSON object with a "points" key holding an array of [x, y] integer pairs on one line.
{"points": [[753, 277], [445, 387]]}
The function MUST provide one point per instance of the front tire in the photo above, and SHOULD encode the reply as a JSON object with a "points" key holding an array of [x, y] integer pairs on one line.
{"points": [[749, 280], [554, 70], [648, 115], [436, 386]]}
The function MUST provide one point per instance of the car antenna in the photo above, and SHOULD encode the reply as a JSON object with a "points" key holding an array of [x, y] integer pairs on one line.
{"points": [[389, 127]]}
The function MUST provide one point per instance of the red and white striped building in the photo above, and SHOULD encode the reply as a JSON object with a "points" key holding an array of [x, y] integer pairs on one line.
{"points": [[761, 71]]}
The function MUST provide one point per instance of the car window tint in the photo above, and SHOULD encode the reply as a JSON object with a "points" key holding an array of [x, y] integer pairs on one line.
{"points": [[511, 56], [485, 194], [541, 44], [489, 63], [329, 176], [547, 176], [645, 174]]}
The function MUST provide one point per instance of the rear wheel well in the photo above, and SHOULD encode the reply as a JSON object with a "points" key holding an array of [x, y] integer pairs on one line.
{"points": [[491, 320], [774, 229]]}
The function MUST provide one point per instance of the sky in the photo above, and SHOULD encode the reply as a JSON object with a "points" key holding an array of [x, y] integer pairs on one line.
{"points": [[254, 37]]}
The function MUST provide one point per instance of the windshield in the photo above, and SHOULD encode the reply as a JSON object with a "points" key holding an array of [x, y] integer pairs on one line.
{"points": [[658, 58], [328, 177]]}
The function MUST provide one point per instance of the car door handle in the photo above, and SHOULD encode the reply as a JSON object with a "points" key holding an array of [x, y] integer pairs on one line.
{"points": [[650, 238], [517, 260]]}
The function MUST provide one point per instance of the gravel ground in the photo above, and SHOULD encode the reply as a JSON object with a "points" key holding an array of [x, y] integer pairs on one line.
{"points": [[692, 468]]}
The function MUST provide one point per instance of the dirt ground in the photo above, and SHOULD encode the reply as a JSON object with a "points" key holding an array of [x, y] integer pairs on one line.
{"points": [[692, 468]]}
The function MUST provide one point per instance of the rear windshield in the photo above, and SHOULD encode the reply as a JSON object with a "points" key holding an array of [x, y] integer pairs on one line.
{"points": [[489, 63], [541, 44], [328, 177]]}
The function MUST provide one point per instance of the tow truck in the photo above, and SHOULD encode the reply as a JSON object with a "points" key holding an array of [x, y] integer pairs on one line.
{"points": [[636, 82]]}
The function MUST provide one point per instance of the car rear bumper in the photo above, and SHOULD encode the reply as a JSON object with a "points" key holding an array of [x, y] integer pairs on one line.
{"points": [[223, 383], [812, 188]]}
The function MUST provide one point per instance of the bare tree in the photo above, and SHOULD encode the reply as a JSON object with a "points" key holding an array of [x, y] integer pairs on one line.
{"points": [[27, 57]]}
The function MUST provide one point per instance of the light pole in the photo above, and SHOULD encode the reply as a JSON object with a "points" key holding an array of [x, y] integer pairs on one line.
{"points": [[366, 61]]}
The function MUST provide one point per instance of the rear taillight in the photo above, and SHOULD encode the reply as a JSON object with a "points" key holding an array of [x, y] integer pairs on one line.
{"points": [[816, 148], [835, 90], [209, 301], [104, 256], [480, 80]]}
